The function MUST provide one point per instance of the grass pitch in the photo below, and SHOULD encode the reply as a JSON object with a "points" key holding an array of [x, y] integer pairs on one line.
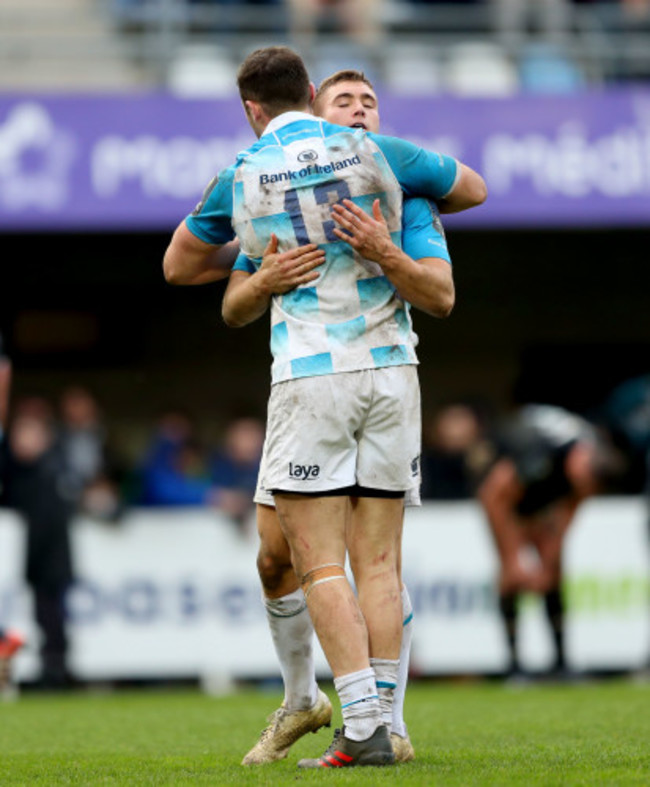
{"points": [[470, 734]]}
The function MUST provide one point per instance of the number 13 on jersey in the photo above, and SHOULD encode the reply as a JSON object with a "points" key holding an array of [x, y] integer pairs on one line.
{"points": [[299, 203]]}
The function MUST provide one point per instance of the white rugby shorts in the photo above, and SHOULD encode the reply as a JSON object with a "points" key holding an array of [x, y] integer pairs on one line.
{"points": [[334, 431], [264, 496]]}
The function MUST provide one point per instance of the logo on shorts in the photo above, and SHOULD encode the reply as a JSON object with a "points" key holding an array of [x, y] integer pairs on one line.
{"points": [[303, 472], [415, 466]]}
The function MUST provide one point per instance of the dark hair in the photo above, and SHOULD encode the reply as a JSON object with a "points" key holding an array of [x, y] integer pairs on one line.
{"points": [[346, 75], [276, 78], [608, 464]]}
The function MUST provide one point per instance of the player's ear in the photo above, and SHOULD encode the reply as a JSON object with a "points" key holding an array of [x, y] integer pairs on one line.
{"points": [[312, 93], [253, 110]]}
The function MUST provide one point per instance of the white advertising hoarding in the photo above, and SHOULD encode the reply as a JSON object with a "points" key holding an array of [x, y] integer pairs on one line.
{"points": [[175, 594]]}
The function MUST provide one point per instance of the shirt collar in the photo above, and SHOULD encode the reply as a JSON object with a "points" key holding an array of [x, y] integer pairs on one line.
{"points": [[285, 118]]}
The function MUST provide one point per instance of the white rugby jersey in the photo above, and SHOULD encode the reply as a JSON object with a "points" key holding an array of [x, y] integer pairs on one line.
{"points": [[351, 317]]}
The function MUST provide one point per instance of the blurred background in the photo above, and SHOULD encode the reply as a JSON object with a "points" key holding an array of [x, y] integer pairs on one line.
{"points": [[115, 114]]}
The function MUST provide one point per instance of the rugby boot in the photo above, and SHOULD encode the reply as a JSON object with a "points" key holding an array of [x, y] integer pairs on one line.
{"points": [[286, 727], [403, 748], [346, 753]]}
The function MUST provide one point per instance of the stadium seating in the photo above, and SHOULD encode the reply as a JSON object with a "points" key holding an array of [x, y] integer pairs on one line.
{"points": [[426, 47]]}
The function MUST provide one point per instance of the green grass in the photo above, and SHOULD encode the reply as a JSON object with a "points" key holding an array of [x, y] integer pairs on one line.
{"points": [[469, 734]]}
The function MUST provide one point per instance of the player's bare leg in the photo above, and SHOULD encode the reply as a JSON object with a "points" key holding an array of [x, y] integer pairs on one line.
{"points": [[305, 708], [316, 528], [374, 538], [549, 539]]}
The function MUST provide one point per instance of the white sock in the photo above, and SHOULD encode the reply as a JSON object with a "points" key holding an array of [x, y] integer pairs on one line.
{"points": [[398, 724], [292, 632], [386, 677], [359, 703]]}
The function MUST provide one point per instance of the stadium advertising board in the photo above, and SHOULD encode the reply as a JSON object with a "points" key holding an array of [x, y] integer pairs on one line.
{"points": [[142, 162], [175, 594]]}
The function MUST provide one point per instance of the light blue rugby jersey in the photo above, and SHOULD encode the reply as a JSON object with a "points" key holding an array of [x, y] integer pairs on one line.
{"points": [[422, 231], [351, 318], [422, 236]]}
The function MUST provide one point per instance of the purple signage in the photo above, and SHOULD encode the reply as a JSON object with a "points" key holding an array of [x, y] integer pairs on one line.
{"points": [[142, 162]]}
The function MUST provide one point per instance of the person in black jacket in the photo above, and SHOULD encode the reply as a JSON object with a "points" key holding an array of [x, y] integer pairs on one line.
{"points": [[10, 641], [33, 473]]}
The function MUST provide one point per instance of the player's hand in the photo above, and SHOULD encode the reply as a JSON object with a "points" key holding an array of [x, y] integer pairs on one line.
{"points": [[516, 577], [287, 270], [366, 234]]}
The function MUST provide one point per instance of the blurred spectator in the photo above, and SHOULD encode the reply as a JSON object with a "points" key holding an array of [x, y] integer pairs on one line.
{"points": [[10, 641], [179, 471], [636, 10], [545, 462], [90, 479], [235, 467], [626, 412], [546, 68], [514, 19], [175, 471], [449, 439], [358, 20], [34, 471]]}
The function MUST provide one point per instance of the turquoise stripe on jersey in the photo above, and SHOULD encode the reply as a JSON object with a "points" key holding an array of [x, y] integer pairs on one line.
{"points": [[238, 195], [279, 223], [365, 201], [402, 319], [395, 355], [301, 302], [374, 291], [279, 340], [341, 257], [407, 620], [312, 365], [380, 161], [346, 332]]}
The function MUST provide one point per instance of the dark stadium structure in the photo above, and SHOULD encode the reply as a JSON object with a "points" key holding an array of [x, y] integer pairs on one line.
{"points": [[554, 316]]}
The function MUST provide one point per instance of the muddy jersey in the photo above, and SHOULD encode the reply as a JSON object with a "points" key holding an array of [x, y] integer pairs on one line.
{"points": [[422, 236], [351, 317]]}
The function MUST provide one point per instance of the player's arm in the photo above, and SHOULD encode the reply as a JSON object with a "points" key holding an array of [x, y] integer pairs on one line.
{"points": [[499, 494], [469, 191], [190, 260], [203, 247], [426, 283], [248, 295], [453, 185]]}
